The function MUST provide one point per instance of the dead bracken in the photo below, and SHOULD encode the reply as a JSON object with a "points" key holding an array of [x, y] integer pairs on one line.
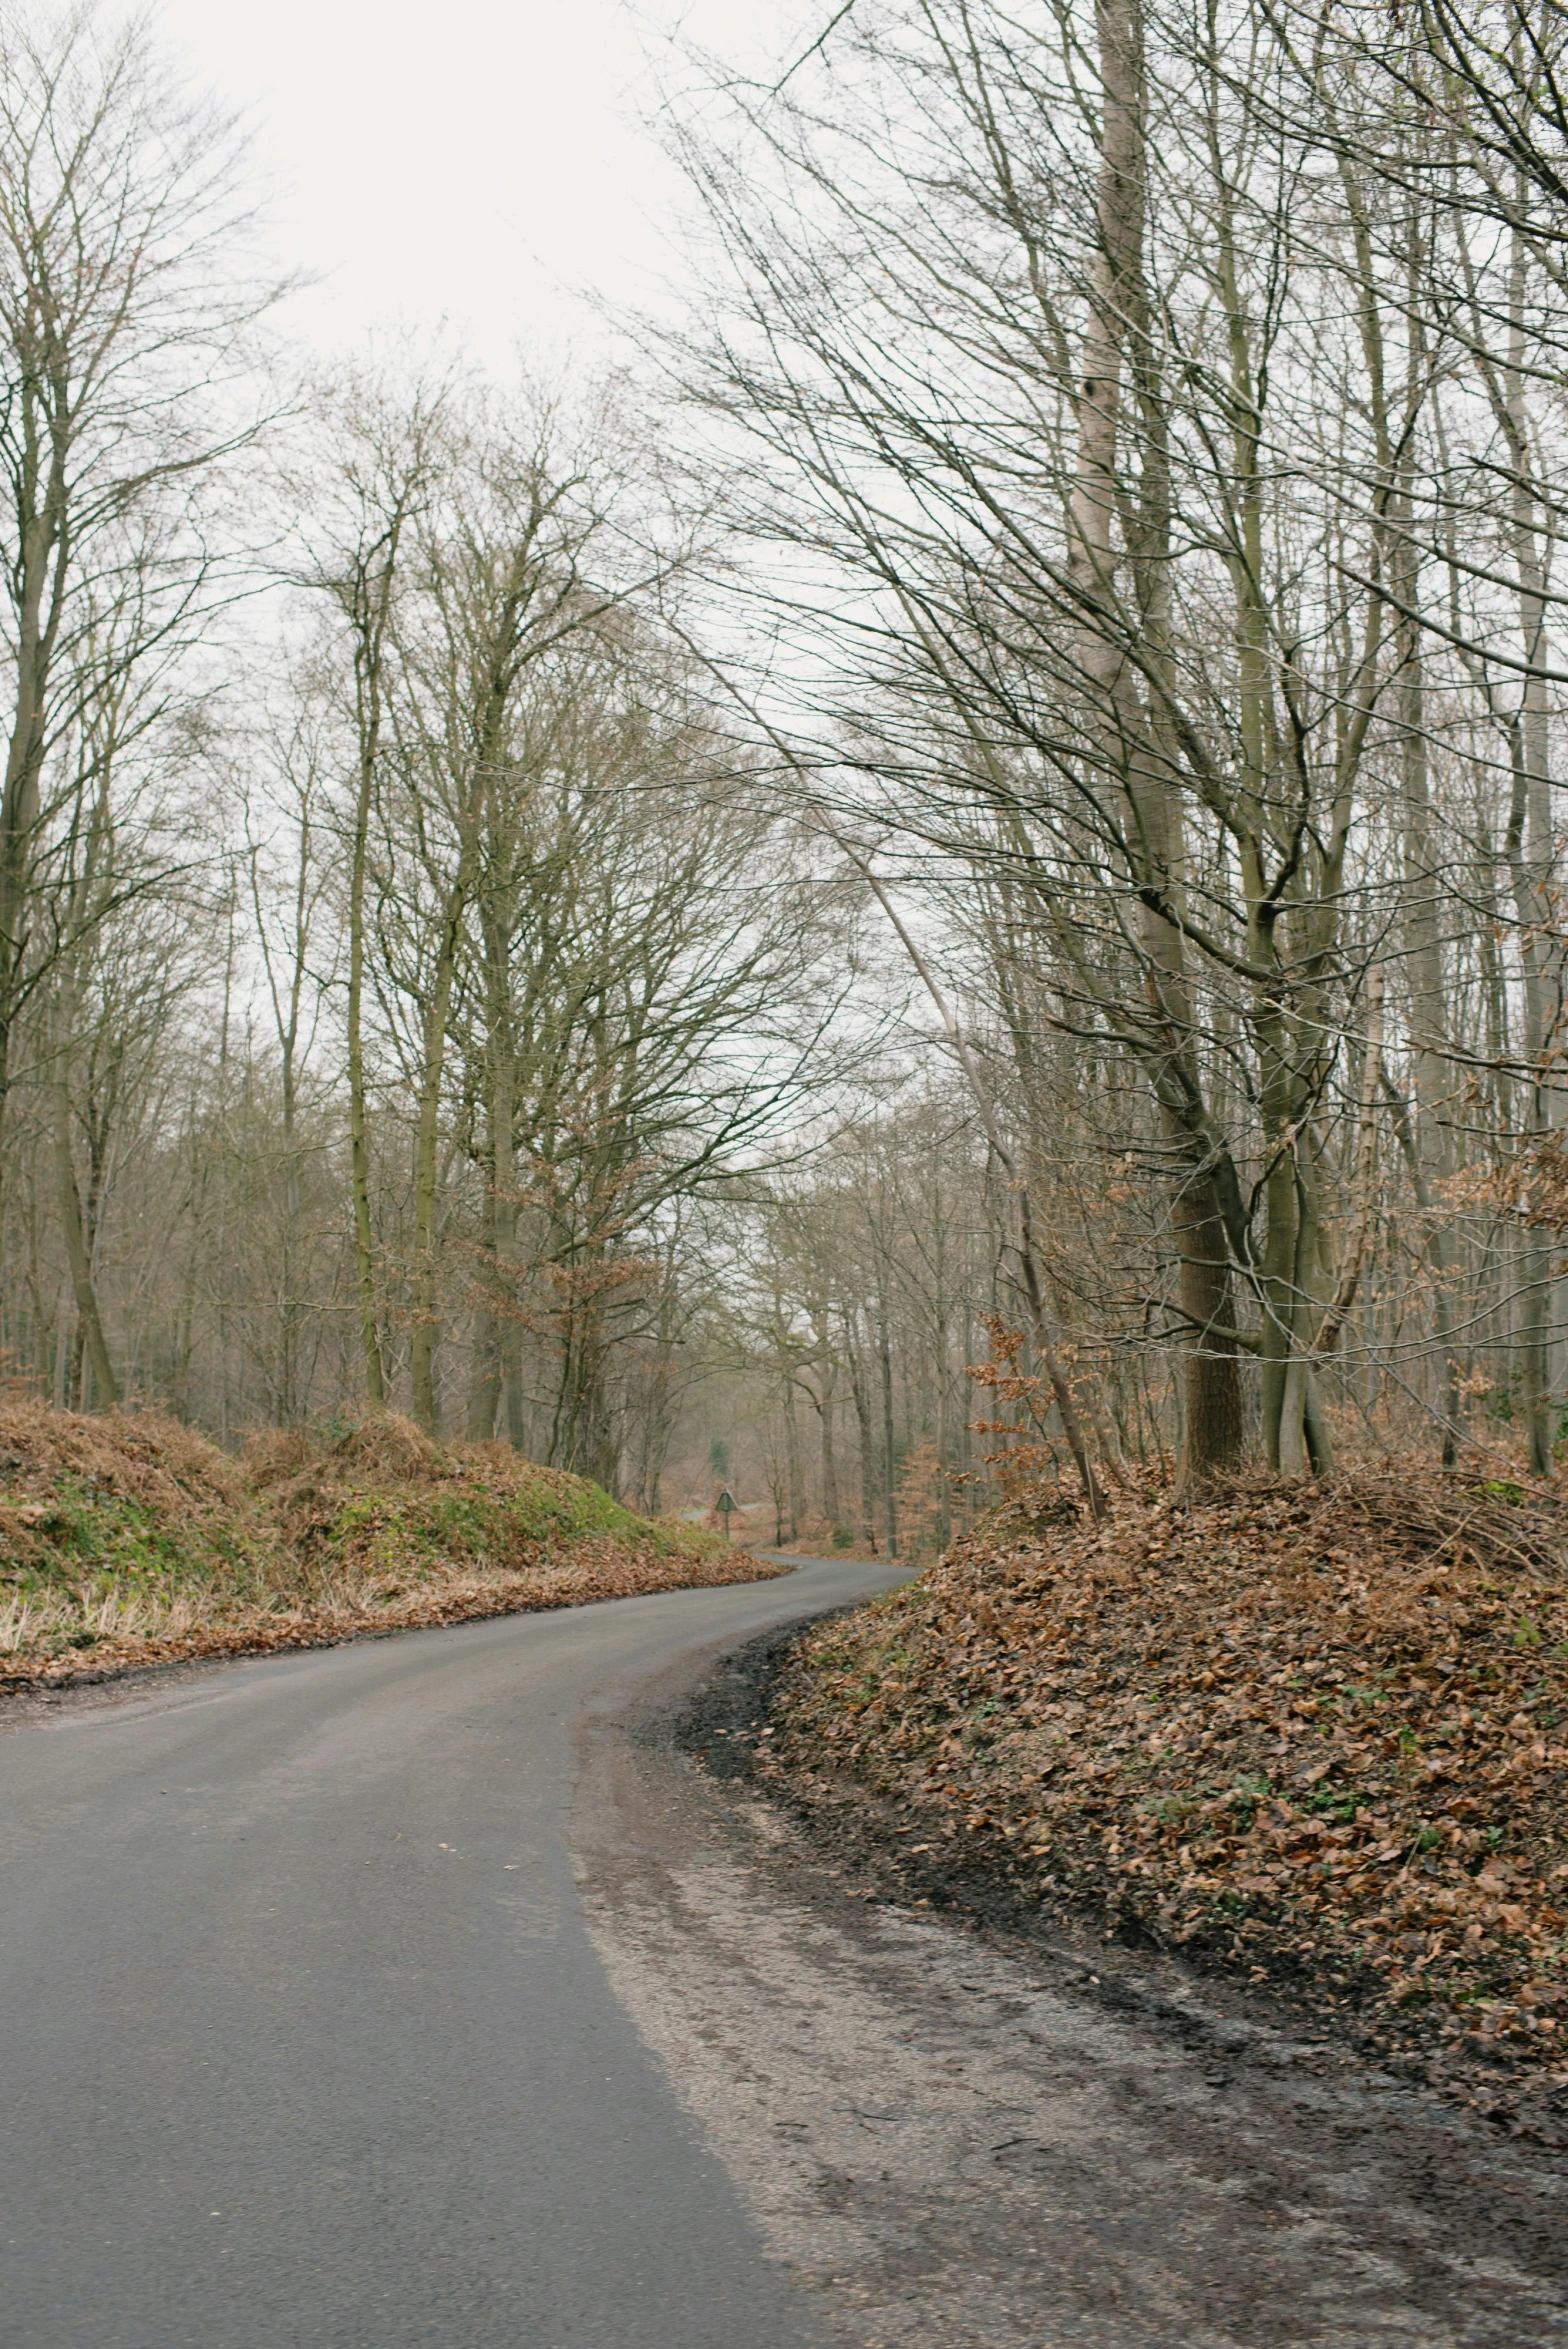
{"points": [[1316, 1730], [127, 1540]]}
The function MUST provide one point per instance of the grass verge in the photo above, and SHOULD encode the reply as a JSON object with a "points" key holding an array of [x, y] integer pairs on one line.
{"points": [[129, 1540]]}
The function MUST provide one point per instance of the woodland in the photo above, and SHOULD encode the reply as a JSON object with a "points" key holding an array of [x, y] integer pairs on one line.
{"points": [[952, 866]]}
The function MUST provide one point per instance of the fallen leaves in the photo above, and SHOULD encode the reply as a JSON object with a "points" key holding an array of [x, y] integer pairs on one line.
{"points": [[1318, 1728], [127, 1541]]}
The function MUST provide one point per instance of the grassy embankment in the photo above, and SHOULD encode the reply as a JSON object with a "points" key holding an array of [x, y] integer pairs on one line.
{"points": [[1317, 1733], [129, 1540]]}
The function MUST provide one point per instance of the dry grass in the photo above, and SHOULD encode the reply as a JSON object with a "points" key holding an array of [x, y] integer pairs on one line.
{"points": [[1316, 1731], [129, 1540]]}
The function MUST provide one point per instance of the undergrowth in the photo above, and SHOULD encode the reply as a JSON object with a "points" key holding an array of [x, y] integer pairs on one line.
{"points": [[1316, 1731], [127, 1539]]}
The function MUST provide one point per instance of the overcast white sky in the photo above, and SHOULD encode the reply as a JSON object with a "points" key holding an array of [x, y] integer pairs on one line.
{"points": [[476, 159]]}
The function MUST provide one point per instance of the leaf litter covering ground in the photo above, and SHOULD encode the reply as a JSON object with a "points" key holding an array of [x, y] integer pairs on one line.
{"points": [[1314, 1730], [129, 1540]]}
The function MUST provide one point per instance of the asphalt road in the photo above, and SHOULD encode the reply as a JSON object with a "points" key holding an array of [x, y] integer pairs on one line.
{"points": [[302, 2038]]}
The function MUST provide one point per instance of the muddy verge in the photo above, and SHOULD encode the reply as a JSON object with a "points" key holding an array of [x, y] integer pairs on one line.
{"points": [[921, 1863], [961, 2125]]}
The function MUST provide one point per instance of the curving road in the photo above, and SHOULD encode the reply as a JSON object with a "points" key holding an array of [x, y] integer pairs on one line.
{"points": [[302, 2037]]}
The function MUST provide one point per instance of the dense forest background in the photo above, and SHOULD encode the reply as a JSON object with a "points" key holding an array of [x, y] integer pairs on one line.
{"points": [[986, 803]]}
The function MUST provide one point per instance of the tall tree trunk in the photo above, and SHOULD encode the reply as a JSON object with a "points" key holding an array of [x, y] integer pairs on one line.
{"points": [[827, 1404], [885, 1353], [105, 1388], [1214, 1428], [427, 1143], [503, 1127], [1130, 739], [289, 1399], [484, 1382], [1532, 854], [42, 557], [1431, 1063], [358, 1112], [792, 1458], [868, 1473]]}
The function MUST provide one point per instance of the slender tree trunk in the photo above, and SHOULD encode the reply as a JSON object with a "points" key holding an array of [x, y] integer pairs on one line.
{"points": [[792, 1458], [105, 1389], [427, 1139], [827, 1405], [1532, 855], [868, 1473], [1130, 739], [289, 1334], [484, 1383], [42, 559], [1431, 1065], [358, 1114], [503, 1124], [885, 1352]]}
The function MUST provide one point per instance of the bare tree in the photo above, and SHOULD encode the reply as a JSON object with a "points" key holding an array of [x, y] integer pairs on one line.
{"points": [[1083, 527], [385, 447], [124, 300]]}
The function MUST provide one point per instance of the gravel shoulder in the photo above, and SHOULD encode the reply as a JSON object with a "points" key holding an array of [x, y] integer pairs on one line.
{"points": [[956, 2131]]}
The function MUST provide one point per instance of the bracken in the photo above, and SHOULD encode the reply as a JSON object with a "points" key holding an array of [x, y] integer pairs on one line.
{"points": [[126, 1540]]}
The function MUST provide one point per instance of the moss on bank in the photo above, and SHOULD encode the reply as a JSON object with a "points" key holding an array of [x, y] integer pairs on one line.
{"points": [[128, 1540]]}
